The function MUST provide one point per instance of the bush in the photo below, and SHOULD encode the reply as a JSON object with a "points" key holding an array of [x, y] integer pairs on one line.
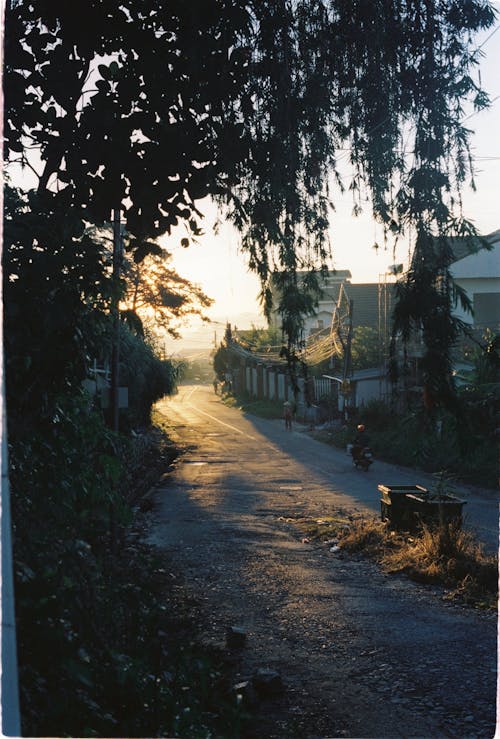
{"points": [[415, 440], [147, 377], [99, 651]]}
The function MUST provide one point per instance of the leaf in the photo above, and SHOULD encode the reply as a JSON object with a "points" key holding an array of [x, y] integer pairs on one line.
{"points": [[104, 71], [114, 70]]}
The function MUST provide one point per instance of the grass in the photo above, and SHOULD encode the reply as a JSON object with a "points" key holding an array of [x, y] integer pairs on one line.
{"points": [[321, 529], [408, 441], [444, 555], [450, 556], [260, 408]]}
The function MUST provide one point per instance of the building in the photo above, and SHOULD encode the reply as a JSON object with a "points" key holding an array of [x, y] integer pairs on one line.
{"points": [[371, 304], [478, 273]]}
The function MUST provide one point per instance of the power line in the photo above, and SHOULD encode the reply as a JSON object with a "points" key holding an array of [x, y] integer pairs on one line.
{"points": [[480, 111], [488, 37]]}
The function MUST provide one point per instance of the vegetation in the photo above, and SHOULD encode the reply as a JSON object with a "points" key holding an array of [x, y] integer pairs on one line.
{"points": [[442, 555], [158, 295], [365, 348], [441, 441], [411, 440], [249, 102], [125, 116], [101, 624], [73, 484], [222, 362], [261, 339], [196, 369]]}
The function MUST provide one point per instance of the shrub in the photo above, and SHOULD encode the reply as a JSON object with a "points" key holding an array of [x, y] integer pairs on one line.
{"points": [[147, 377]]}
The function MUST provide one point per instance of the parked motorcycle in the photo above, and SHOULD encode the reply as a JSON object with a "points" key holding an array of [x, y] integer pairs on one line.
{"points": [[362, 457]]}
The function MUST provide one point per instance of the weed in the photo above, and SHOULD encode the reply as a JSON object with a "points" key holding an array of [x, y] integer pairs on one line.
{"points": [[321, 529], [444, 554], [450, 556], [369, 536]]}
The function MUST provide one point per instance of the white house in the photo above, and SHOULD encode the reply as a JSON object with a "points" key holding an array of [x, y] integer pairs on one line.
{"points": [[363, 386], [479, 275]]}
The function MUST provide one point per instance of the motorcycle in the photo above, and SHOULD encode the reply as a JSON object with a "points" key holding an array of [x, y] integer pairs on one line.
{"points": [[362, 457]]}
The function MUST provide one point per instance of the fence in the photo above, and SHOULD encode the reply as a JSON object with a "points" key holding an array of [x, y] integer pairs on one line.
{"points": [[269, 379]]}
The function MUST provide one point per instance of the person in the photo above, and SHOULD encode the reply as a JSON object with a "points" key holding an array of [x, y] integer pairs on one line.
{"points": [[287, 414], [360, 440], [216, 385]]}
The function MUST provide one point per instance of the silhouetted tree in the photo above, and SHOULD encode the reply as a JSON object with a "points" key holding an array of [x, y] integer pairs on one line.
{"points": [[151, 106]]}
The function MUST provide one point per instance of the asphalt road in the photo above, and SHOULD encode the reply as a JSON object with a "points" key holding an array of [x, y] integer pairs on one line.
{"points": [[361, 653], [329, 470]]}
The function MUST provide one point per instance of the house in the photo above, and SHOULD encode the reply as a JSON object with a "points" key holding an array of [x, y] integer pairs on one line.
{"points": [[478, 273], [361, 387], [371, 304]]}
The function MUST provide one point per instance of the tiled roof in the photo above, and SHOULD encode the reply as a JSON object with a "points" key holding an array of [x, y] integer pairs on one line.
{"points": [[365, 299]]}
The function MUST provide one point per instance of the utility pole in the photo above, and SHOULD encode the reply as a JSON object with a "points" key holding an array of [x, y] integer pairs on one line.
{"points": [[115, 313], [348, 360], [9, 708]]}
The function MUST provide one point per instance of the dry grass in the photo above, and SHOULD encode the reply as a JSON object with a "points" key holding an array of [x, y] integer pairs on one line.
{"points": [[445, 555], [321, 529], [368, 536], [450, 556]]}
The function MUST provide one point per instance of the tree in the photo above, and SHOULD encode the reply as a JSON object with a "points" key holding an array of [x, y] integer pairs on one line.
{"points": [[221, 361], [265, 340], [125, 103], [56, 296], [366, 348], [149, 106], [154, 291]]}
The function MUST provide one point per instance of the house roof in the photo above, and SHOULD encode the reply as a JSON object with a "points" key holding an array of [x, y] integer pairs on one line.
{"points": [[366, 300], [465, 247], [482, 264], [373, 373]]}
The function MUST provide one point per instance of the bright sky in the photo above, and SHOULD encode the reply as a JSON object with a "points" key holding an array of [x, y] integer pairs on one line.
{"points": [[216, 264]]}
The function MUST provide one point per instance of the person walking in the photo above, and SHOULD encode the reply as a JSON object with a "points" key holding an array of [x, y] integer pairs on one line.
{"points": [[287, 414]]}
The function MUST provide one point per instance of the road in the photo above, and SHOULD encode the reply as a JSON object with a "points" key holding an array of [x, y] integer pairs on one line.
{"points": [[362, 654]]}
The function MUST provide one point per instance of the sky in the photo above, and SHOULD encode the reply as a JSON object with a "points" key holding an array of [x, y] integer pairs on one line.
{"points": [[217, 264]]}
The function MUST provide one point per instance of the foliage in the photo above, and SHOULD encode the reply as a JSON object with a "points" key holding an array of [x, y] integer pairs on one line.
{"points": [[88, 94], [56, 291], [260, 339], [486, 358], [365, 348], [154, 290], [48, 352], [426, 297], [147, 377], [196, 369], [222, 361], [99, 652], [256, 104], [414, 440], [443, 554]]}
